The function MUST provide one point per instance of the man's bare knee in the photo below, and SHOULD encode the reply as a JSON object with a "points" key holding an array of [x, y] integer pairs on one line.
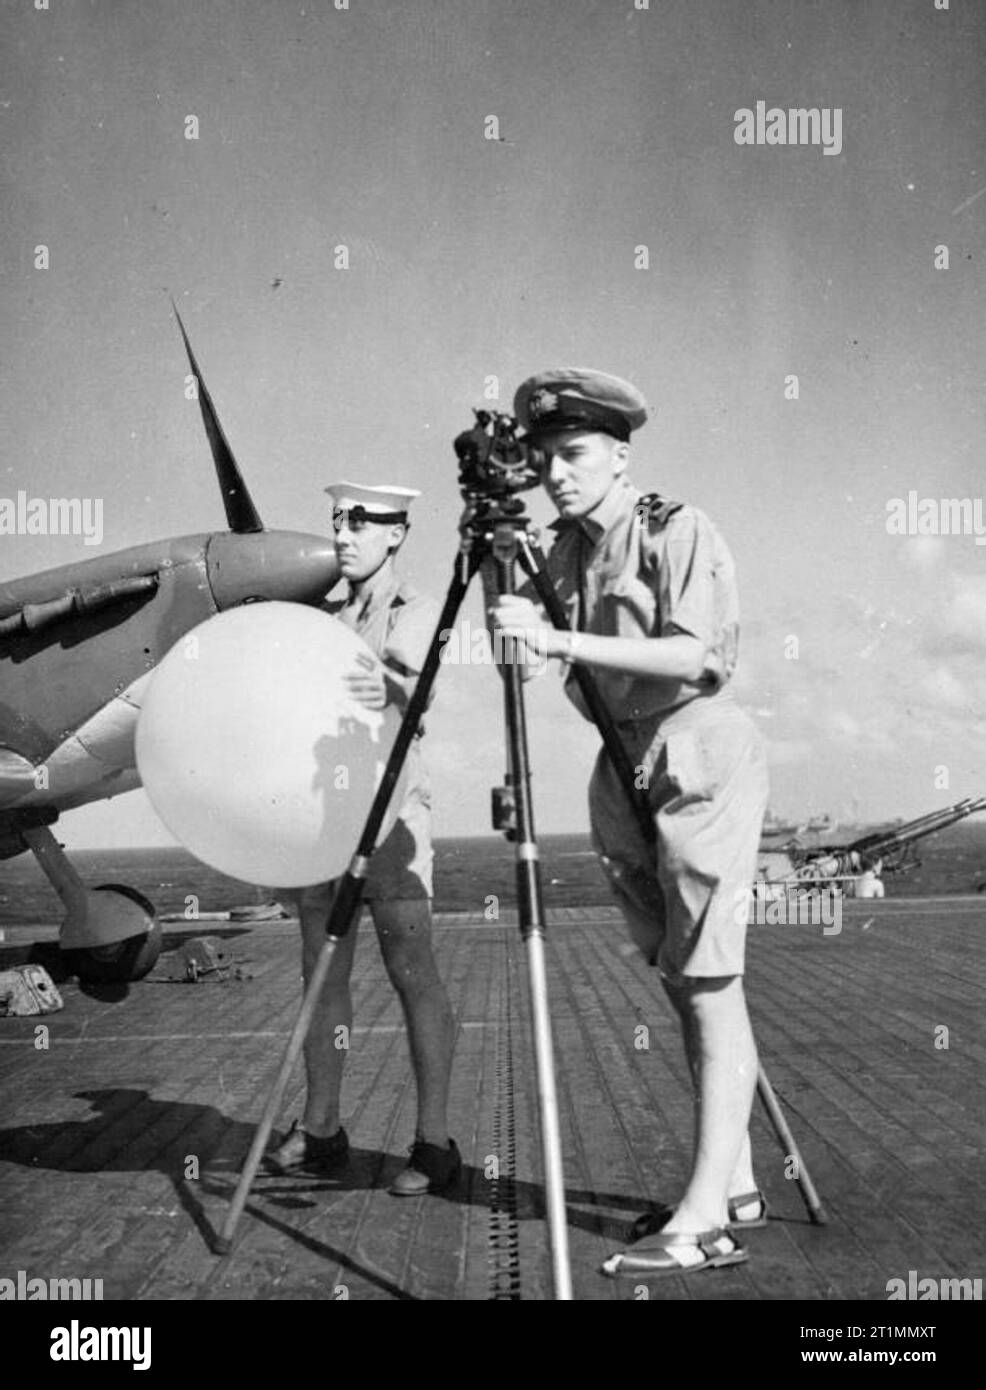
{"points": [[341, 964], [410, 963]]}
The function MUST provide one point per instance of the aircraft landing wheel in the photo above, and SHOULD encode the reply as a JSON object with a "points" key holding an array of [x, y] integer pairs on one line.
{"points": [[120, 961]]}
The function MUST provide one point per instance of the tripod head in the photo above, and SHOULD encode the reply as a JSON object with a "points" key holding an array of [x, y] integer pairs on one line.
{"points": [[494, 463], [495, 466]]}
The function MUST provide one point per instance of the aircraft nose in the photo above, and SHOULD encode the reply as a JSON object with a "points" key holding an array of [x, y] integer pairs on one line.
{"points": [[287, 565]]}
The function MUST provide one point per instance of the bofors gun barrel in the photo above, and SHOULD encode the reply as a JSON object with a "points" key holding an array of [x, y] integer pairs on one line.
{"points": [[873, 846]]}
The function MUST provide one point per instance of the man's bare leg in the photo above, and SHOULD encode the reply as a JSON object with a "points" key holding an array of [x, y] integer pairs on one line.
{"points": [[404, 929], [742, 1180], [325, 1046], [716, 1015]]}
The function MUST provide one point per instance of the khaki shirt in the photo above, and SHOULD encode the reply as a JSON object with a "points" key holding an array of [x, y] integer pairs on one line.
{"points": [[621, 573], [395, 622]]}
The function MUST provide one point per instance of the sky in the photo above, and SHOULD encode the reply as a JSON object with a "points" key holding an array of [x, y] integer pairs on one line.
{"points": [[472, 258]]}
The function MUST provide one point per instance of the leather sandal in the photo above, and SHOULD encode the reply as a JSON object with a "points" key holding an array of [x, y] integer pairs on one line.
{"points": [[654, 1258], [746, 1199], [650, 1222]]}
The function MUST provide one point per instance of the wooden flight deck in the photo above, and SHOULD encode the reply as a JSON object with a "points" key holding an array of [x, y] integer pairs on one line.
{"points": [[140, 1088]]}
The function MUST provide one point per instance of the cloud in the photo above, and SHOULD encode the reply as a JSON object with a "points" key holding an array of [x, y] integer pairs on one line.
{"points": [[965, 617], [946, 690], [922, 552], [886, 687], [840, 725], [789, 752]]}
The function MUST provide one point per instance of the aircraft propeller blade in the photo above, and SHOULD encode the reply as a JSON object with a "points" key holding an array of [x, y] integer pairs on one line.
{"points": [[241, 514]]}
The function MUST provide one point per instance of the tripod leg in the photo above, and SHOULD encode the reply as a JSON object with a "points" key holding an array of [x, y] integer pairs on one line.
{"points": [[224, 1242], [532, 561], [532, 927], [347, 899], [775, 1114], [544, 1058]]}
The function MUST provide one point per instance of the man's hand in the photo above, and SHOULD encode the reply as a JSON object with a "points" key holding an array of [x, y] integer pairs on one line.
{"points": [[366, 683], [523, 621]]}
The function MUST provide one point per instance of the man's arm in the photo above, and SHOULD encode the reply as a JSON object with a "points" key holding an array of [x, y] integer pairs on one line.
{"points": [[375, 684], [407, 648], [399, 687], [391, 680], [366, 681], [679, 657]]}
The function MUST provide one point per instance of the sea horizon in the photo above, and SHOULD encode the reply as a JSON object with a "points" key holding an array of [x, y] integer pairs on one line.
{"points": [[468, 869]]}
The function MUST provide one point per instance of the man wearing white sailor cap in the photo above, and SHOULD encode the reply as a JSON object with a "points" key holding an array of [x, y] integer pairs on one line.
{"points": [[650, 590], [370, 525]]}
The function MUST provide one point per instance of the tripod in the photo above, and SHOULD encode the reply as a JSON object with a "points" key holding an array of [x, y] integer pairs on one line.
{"points": [[495, 528]]}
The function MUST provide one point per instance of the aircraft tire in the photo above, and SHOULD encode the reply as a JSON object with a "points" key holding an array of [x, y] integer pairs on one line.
{"points": [[121, 962]]}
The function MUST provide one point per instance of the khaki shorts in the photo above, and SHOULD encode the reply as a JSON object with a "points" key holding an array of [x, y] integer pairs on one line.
{"points": [[401, 867], [683, 894]]}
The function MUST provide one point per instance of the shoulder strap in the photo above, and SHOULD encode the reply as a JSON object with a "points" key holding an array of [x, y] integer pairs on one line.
{"points": [[403, 594], [655, 510]]}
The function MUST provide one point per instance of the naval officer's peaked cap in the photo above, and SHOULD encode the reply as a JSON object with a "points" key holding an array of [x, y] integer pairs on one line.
{"points": [[579, 398], [383, 504]]}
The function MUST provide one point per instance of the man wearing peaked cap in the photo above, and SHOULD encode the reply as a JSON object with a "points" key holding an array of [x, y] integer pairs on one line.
{"points": [[370, 525], [572, 398], [650, 591]]}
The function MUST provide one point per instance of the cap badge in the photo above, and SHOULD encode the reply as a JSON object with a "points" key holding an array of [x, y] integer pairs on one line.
{"points": [[542, 402]]}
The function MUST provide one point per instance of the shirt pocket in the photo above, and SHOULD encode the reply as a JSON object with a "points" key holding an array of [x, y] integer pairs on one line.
{"points": [[629, 606]]}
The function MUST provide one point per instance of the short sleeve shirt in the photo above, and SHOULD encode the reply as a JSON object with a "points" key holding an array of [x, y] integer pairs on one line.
{"points": [[632, 570], [395, 622]]}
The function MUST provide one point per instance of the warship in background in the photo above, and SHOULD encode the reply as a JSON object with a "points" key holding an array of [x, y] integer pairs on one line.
{"points": [[774, 826]]}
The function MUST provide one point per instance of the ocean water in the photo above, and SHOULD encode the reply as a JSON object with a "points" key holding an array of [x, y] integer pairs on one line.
{"points": [[466, 871]]}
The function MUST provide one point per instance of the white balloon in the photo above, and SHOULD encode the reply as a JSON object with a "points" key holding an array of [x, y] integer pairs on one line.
{"points": [[253, 752]]}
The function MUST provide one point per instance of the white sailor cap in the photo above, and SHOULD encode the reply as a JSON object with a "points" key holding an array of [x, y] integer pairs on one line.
{"points": [[386, 505]]}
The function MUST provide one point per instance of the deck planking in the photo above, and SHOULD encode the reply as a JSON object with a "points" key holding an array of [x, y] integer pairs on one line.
{"points": [[99, 1128]]}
